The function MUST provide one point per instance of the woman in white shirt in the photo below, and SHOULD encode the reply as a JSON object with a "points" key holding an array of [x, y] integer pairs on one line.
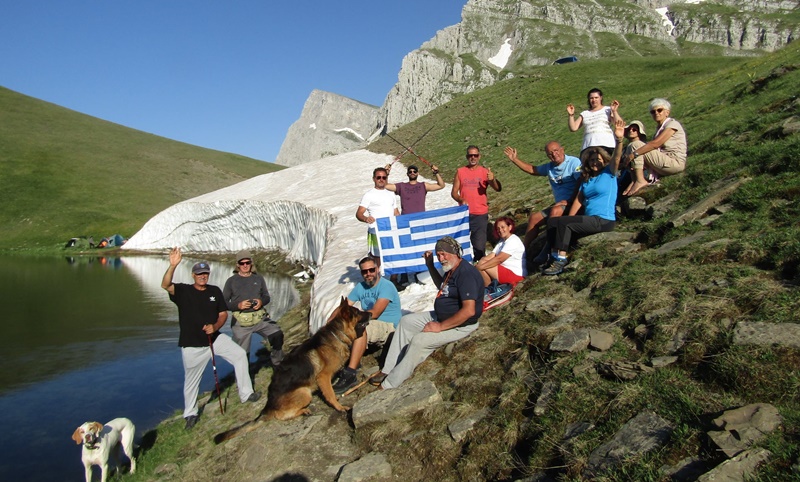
{"points": [[597, 122], [506, 263]]}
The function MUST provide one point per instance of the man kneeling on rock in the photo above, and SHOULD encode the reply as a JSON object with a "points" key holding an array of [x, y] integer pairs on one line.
{"points": [[378, 296], [458, 305]]}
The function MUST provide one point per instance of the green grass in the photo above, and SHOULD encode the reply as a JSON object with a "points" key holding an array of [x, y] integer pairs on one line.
{"points": [[67, 174]]}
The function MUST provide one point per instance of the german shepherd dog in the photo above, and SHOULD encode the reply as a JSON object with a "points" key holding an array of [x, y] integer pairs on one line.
{"points": [[308, 366]]}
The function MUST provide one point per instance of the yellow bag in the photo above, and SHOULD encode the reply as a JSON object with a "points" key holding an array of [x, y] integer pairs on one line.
{"points": [[249, 318]]}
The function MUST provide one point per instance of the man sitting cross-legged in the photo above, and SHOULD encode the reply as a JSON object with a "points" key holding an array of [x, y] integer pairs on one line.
{"points": [[379, 297]]}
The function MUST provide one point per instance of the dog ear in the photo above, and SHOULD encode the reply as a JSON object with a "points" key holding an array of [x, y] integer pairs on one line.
{"points": [[77, 436], [96, 427], [343, 305]]}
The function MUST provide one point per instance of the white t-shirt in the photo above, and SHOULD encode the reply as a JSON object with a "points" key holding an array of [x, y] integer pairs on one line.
{"points": [[516, 250], [597, 128], [379, 203]]}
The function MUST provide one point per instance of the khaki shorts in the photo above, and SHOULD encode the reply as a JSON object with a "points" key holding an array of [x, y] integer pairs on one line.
{"points": [[378, 332]]}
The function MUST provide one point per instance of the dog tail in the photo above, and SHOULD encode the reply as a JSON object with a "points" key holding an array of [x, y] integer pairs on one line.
{"points": [[243, 429]]}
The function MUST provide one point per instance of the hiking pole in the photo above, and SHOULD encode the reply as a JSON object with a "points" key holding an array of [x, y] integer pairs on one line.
{"points": [[216, 378], [409, 149], [361, 384]]}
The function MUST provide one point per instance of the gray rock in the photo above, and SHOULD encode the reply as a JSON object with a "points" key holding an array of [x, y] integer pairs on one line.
{"points": [[767, 334], [600, 340], [676, 343], [710, 201], [738, 469], [409, 398], [622, 370], [652, 317], [611, 237], [372, 466], [662, 361], [708, 220], [549, 390], [663, 206], [330, 124], [681, 243], [744, 426], [458, 429], [549, 306], [575, 429], [686, 469], [641, 434], [571, 341]]}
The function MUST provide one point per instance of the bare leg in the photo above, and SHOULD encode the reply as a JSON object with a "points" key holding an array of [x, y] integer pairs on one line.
{"points": [[357, 351], [637, 184]]}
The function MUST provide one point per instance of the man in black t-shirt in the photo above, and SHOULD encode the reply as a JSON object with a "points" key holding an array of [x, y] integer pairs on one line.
{"points": [[201, 313], [455, 314]]}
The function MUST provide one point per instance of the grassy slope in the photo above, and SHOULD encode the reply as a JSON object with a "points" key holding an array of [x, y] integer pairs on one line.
{"points": [[732, 110], [729, 109], [67, 174]]}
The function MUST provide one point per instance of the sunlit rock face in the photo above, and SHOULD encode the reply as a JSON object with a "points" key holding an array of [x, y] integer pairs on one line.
{"points": [[330, 124]]}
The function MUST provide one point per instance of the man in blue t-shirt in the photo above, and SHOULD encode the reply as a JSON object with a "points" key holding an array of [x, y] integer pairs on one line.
{"points": [[564, 173], [378, 296]]}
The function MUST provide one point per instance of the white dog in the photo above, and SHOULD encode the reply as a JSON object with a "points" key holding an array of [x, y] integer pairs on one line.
{"points": [[100, 442]]}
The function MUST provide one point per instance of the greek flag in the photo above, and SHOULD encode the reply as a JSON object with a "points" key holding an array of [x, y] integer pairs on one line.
{"points": [[404, 238]]}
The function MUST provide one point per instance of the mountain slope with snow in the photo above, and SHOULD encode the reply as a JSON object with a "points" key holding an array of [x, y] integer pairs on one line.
{"points": [[308, 211]]}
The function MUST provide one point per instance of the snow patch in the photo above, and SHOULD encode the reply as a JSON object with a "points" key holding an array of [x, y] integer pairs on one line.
{"points": [[501, 58], [313, 125], [347, 129], [665, 21]]}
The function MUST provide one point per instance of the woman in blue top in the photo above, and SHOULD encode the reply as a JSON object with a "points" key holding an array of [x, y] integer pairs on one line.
{"points": [[597, 195]]}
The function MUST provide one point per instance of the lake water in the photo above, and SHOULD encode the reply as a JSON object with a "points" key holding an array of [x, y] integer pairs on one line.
{"points": [[92, 339]]}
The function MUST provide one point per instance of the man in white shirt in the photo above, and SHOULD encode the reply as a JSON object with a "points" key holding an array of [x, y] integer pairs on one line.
{"points": [[376, 203]]}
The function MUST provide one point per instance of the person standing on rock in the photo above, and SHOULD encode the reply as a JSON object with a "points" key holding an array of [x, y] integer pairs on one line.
{"points": [[412, 193], [563, 172], [201, 313], [376, 203], [246, 295], [458, 305], [469, 187], [379, 297]]}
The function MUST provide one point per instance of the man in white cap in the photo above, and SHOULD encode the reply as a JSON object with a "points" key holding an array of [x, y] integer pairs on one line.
{"points": [[246, 295], [201, 313]]}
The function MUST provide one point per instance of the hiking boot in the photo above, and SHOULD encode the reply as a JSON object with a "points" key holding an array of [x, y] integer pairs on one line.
{"points": [[191, 420], [556, 267], [347, 379], [378, 378], [253, 397], [276, 356]]}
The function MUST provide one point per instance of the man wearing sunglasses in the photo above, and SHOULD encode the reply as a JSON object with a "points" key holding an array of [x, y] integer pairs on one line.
{"points": [[412, 193], [469, 187], [376, 203], [246, 295], [379, 297]]}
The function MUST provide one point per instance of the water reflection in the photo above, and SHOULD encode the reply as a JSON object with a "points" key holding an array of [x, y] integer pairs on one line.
{"points": [[92, 339]]}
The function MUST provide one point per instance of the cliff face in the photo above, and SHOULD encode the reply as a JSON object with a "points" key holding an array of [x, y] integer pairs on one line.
{"points": [[497, 39], [329, 125]]}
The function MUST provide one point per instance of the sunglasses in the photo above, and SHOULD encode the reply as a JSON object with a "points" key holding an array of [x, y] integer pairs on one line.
{"points": [[470, 156], [378, 178], [659, 110], [412, 171], [245, 263], [368, 270]]}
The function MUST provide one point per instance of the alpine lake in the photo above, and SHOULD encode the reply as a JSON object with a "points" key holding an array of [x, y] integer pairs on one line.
{"points": [[94, 338]]}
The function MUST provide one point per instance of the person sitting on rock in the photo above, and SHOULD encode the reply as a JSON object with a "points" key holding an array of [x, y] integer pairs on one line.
{"points": [[597, 194], [664, 155], [506, 263], [458, 305], [379, 297]]}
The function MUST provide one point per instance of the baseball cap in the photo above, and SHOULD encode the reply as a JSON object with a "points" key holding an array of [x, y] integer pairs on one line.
{"points": [[200, 268], [412, 166]]}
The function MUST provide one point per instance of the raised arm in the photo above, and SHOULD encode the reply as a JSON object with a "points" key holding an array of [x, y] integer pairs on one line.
{"points": [[429, 186], [511, 154], [435, 275], [174, 260], [619, 135], [573, 123]]}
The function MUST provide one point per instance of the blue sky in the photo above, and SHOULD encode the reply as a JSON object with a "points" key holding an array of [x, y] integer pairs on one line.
{"points": [[228, 75]]}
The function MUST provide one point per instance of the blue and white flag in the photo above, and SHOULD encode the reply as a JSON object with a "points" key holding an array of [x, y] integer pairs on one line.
{"points": [[404, 238]]}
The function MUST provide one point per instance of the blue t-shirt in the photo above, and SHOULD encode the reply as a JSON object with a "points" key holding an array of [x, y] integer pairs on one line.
{"points": [[600, 195], [563, 177], [368, 296]]}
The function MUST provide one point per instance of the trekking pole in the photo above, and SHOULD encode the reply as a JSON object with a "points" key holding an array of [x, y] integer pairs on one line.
{"points": [[409, 149], [216, 378]]}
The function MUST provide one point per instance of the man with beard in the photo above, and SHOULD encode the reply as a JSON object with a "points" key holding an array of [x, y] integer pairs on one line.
{"points": [[379, 297], [412, 193], [458, 305]]}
